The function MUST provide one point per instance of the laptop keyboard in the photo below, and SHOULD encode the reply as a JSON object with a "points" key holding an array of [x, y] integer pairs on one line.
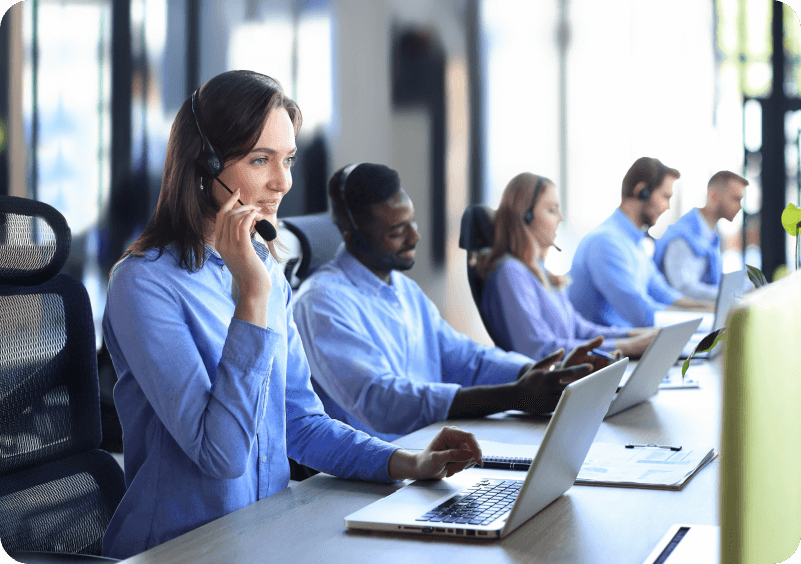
{"points": [[480, 504]]}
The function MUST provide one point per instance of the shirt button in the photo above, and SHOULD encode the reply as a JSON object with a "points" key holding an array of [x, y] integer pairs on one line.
{"points": [[264, 459]]}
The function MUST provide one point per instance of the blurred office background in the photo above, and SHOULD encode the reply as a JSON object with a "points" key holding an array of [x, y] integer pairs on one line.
{"points": [[457, 95]]}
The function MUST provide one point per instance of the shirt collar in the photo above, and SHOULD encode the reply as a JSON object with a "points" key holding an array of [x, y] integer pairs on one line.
{"points": [[706, 231], [261, 250], [361, 276], [622, 221]]}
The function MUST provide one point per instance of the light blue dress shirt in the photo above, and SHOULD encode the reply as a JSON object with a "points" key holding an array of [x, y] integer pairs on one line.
{"points": [[533, 320], [688, 255], [210, 405], [381, 356], [615, 282]]}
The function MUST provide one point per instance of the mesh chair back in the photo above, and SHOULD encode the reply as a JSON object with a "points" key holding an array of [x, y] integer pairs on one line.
{"points": [[476, 234], [35, 239], [49, 397], [319, 240], [57, 492], [63, 506]]}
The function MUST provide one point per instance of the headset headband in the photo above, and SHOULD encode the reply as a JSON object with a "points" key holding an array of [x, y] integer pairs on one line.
{"points": [[528, 217], [208, 158], [342, 185]]}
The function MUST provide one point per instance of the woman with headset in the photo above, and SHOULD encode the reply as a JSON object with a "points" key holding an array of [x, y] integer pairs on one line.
{"points": [[213, 391], [526, 306]]}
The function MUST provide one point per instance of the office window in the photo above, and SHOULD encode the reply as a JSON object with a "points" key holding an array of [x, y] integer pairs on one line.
{"points": [[522, 94], [66, 106], [66, 116]]}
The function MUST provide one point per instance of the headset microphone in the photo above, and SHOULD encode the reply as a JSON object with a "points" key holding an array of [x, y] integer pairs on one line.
{"points": [[263, 227], [210, 162], [555, 247]]}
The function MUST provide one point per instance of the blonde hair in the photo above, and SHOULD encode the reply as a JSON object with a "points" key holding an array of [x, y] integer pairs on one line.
{"points": [[512, 235]]}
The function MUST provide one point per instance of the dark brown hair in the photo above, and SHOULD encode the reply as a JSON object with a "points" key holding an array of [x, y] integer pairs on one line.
{"points": [[232, 109], [721, 179], [648, 170]]}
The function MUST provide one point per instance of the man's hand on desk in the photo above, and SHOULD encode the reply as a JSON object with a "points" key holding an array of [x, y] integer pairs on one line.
{"points": [[689, 304], [451, 451], [635, 344]]}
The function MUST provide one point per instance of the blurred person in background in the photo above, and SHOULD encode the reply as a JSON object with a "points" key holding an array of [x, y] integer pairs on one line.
{"points": [[526, 306], [688, 253], [615, 280], [381, 356]]}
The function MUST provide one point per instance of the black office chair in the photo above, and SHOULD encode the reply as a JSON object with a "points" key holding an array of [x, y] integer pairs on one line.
{"points": [[476, 235], [58, 491], [313, 240]]}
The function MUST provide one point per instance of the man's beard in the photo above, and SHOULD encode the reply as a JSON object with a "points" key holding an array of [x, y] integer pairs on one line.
{"points": [[390, 261]]}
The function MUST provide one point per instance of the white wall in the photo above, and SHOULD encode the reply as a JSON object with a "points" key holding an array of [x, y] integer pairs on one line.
{"points": [[367, 129]]}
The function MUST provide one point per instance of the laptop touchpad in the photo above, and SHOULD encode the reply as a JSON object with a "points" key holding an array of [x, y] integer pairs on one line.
{"points": [[424, 492]]}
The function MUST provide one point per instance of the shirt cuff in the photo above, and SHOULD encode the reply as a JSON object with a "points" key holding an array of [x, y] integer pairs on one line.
{"points": [[249, 346]]}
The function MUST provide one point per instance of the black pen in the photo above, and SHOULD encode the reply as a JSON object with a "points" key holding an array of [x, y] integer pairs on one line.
{"points": [[654, 445]]}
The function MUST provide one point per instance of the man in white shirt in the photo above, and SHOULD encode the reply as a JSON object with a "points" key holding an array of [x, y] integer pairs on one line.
{"points": [[688, 254]]}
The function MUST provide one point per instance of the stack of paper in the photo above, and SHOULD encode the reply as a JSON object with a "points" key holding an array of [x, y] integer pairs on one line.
{"points": [[609, 464]]}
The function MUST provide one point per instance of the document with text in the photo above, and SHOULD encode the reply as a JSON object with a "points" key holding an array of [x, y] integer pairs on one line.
{"points": [[610, 464]]}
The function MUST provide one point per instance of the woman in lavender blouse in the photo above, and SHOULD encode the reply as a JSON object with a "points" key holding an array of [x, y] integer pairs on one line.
{"points": [[526, 306]]}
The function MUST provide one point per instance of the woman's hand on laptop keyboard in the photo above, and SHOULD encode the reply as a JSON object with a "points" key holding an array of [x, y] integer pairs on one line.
{"points": [[451, 451]]}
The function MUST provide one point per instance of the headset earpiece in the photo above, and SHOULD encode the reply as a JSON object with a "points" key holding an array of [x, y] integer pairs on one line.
{"points": [[528, 217], [645, 193], [358, 241], [208, 159]]}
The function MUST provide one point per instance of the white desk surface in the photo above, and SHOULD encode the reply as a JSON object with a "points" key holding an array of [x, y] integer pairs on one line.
{"points": [[305, 522]]}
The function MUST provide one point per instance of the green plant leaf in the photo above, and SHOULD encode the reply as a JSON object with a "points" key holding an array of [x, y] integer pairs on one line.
{"points": [[706, 344], [791, 217], [755, 276]]}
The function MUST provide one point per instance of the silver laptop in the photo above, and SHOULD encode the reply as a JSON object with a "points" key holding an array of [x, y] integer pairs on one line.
{"points": [[483, 503], [730, 289], [644, 380]]}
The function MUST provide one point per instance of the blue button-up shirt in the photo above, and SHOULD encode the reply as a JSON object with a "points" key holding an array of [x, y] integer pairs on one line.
{"points": [[210, 405], [533, 319], [382, 358], [615, 282]]}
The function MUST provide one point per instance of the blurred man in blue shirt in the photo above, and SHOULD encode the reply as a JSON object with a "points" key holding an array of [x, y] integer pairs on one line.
{"points": [[615, 282], [382, 358], [688, 253]]}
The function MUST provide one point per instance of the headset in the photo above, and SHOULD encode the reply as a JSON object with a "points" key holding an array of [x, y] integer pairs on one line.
{"points": [[645, 193], [208, 159], [358, 241], [210, 162], [528, 217]]}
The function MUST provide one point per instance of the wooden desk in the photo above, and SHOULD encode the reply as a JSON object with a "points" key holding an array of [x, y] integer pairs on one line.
{"points": [[305, 523]]}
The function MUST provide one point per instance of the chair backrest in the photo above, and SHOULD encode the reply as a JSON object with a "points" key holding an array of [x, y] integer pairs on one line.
{"points": [[57, 491], [314, 241], [476, 234]]}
